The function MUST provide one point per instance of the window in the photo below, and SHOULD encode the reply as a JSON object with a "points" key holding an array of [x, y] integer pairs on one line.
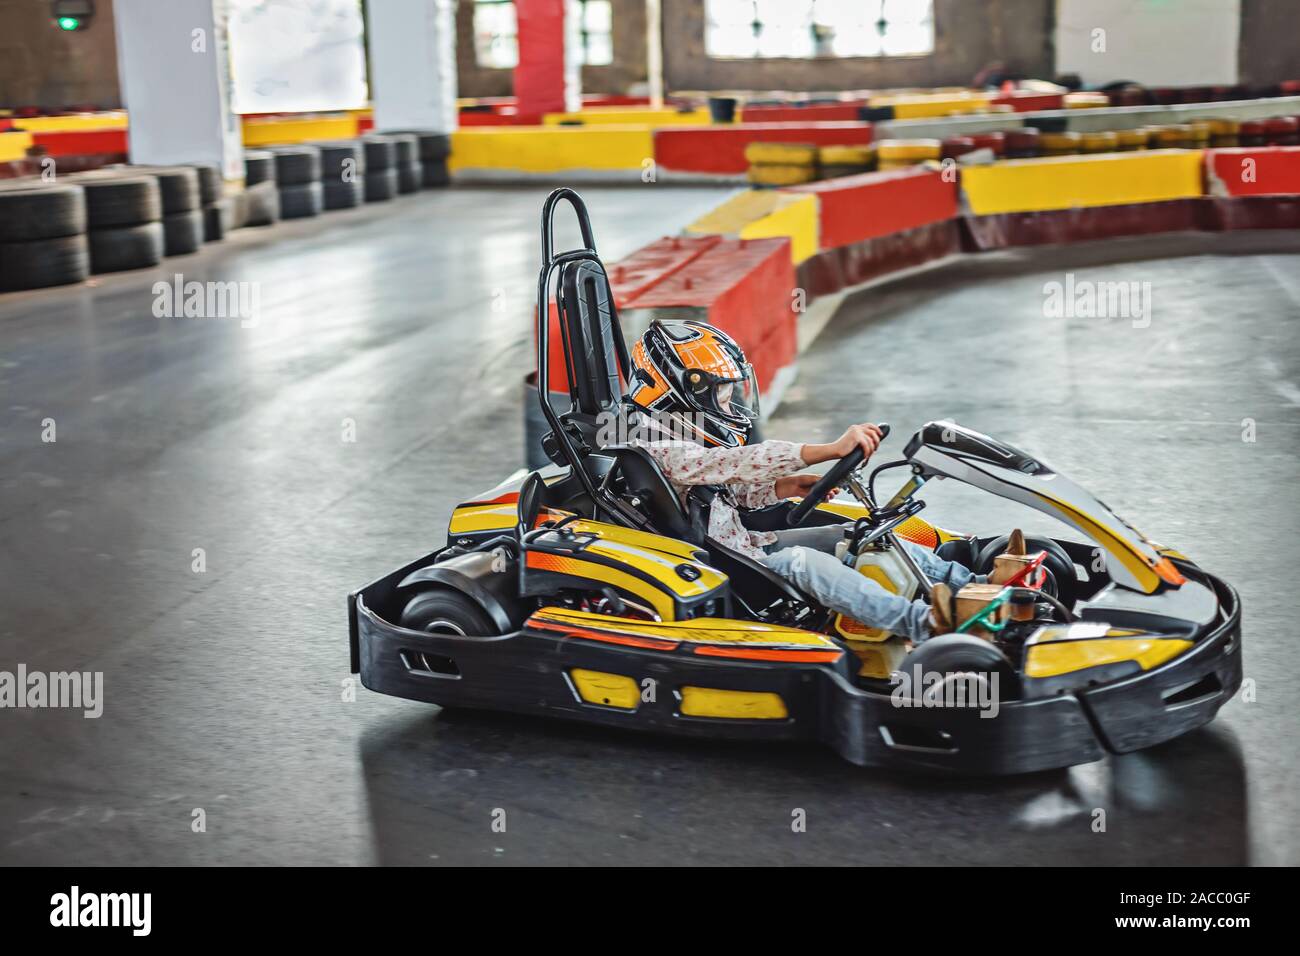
{"points": [[496, 33], [595, 30], [818, 28]]}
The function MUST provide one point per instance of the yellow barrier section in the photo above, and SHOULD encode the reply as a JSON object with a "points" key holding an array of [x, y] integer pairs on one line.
{"points": [[919, 106], [75, 123], [550, 149], [264, 132], [765, 214], [1065, 182], [629, 116], [14, 146]]}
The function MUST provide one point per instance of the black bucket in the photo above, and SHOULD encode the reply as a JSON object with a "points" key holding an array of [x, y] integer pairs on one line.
{"points": [[722, 109]]}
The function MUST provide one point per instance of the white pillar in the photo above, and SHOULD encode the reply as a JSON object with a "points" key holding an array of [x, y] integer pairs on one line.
{"points": [[175, 78], [413, 64], [654, 49]]}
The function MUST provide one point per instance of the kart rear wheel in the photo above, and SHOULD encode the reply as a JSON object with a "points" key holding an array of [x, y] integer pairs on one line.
{"points": [[952, 654], [442, 610]]}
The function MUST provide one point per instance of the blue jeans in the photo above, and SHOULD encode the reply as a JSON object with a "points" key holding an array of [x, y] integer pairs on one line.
{"points": [[806, 557]]}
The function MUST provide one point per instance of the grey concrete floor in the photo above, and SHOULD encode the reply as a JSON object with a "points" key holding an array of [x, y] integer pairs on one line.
{"points": [[225, 690]]}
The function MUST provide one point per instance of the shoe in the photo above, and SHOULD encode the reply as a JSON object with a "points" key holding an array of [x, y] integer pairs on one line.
{"points": [[942, 611]]}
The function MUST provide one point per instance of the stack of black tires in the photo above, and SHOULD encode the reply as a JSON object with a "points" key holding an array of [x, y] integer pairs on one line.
{"points": [[434, 148], [410, 174], [381, 167], [297, 175], [124, 219], [218, 208], [259, 203], [42, 235], [182, 207], [342, 173]]}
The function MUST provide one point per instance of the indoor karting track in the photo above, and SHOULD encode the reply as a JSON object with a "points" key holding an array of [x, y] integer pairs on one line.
{"points": [[224, 689]]}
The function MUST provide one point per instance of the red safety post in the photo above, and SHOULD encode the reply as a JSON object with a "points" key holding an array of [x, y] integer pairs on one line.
{"points": [[540, 75]]}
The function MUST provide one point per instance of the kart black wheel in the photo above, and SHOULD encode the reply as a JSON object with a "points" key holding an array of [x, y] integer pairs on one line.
{"points": [[1062, 581], [952, 654], [444, 611]]}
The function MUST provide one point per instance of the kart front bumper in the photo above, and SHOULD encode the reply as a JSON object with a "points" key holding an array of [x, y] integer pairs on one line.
{"points": [[531, 672]]}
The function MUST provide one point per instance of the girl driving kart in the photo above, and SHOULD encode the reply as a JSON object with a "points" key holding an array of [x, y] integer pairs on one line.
{"points": [[698, 401]]}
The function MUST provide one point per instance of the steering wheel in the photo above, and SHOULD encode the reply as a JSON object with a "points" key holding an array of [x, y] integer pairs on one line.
{"points": [[829, 481]]}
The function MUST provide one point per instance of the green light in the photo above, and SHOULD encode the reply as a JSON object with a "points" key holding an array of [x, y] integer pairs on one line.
{"points": [[69, 23]]}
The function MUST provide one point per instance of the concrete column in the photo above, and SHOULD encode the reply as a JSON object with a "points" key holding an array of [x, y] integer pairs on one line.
{"points": [[413, 64], [546, 79], [654, 47], [175, 79]]}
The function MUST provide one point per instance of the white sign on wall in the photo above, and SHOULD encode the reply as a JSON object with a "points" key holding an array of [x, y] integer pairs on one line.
{"points": [[1153, 42], [297, 56]]}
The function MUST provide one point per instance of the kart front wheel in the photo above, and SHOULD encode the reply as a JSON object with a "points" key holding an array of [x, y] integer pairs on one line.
{"points": [[442, 610], [948, 655]]}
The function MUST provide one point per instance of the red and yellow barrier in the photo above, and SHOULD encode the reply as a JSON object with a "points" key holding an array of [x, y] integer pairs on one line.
{"points": [[14, 145], [744, 287], [765, 214], [1259, 171], [1067, 182], [856, 208], [551, 149], [720, 150], [267, 131]]}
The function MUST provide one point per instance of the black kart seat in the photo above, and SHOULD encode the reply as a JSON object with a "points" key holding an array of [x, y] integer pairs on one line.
{"points": [[655, 496], [594, 341], [756, 583]]}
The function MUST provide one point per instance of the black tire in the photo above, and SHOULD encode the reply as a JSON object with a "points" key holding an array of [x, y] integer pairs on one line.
{"points": [[341, 162], [301, 200], [1062, 582], [259, 167], [407, 148], [435, 174], [218, 219], [961, 654], [126, 247], [31, 209], [296, 165], [410, 177], [61, 260], [344, 195], [182, 232], [260, 204], [381, 185], [441, 610], [178, 187], [211, 185], [381, 153], [118, 200], [433, 146]]}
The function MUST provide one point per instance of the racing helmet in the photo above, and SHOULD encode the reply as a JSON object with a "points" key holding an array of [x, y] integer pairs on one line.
{"points": [[695, 379]]}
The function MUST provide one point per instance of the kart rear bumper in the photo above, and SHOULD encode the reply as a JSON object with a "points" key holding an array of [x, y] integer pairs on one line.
{"points": [[530, 672]]}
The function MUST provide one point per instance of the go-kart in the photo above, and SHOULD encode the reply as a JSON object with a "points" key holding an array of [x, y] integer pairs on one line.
{"points": [[589, 590]]}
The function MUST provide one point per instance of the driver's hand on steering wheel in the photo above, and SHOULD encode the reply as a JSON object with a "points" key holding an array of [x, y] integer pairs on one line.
{"points": [[797, 486], [866, 436]]}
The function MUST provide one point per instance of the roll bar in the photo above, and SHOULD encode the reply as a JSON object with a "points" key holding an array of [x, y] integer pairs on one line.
{"points": [[551, 260]]}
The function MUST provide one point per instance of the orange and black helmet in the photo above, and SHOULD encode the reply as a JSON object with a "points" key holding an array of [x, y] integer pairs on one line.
{"points": [[695, 379]]}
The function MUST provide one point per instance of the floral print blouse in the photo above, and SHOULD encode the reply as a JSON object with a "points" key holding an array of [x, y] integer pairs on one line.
{"points": [[746, 474]]}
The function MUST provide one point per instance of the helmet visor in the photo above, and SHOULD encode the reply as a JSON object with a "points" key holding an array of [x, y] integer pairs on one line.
{"points": [[734, 400]]}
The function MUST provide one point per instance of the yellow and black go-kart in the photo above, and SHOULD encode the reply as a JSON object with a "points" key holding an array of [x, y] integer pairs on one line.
{"points": [[587, 590]]}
